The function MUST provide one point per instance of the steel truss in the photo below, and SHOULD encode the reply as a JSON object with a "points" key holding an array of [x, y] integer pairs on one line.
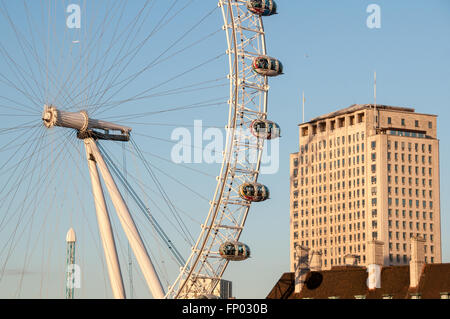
{"points": [[242, 156]]}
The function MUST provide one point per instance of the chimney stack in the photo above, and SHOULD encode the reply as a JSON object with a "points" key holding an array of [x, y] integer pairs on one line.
{"points": [[375, 253], [316, 261], [302, 268], [375, 260], [351, 260], [417, 261]]}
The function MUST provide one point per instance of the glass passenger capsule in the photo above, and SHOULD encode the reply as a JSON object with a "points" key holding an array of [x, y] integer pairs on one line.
{"points": [[262, 7], [234, 251], [254, 192], [265, 129], [267, 66]]}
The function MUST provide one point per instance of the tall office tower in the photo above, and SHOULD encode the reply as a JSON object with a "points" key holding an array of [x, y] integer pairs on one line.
{"points": [[364, 174]]}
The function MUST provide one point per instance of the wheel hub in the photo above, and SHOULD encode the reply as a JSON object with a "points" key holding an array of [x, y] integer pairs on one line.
{"points": [[86, 127]]}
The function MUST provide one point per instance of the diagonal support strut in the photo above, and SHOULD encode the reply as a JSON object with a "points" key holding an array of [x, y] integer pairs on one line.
{"points": [[128, 224]]}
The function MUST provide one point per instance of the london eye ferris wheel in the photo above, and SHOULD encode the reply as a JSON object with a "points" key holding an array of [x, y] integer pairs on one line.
{"points": [[98, 102]]}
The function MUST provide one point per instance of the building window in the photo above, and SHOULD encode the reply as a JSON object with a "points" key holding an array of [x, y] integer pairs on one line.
{"points": [[445, 295], [387, 296], [416, 123], [403, 122], [415, 296], [389, 120], [364, 297]]}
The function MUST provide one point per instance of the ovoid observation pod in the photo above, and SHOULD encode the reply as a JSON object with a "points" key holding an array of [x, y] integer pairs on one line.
{"points": [[265, 129], [262, 7], [234, 251], [254, 192], [267, 66]]}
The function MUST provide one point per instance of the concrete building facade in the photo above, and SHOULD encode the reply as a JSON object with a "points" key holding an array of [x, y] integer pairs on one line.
{"points": [[365, 174]]}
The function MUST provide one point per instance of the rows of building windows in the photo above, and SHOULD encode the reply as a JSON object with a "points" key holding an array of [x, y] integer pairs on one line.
{"points": [[334, 142], [409, 203], [403, 122], [403, 259], [406, 133], [403, 180], [330, 192], [404, 247], [344, 157], [338, 198], [334, 124], [333, 253], [417, 147], [395, 158], [410, 170]]}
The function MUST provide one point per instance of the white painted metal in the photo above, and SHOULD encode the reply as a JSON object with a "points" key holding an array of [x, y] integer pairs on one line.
{"points": [[78, 120], [104, 225], [129, 227], [71, 236], [248, 101], [228, 212]]}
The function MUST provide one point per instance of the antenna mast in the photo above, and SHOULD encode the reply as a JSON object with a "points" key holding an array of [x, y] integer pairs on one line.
{"points": [[375, 100], [303, 107]]}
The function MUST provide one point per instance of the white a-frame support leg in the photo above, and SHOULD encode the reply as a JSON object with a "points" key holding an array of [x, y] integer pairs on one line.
{"points": [[128, 225], [104, 225]]}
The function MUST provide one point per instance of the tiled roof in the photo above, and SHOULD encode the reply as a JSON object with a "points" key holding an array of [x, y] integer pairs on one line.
{"points": [[435, 279], [347, 282], [284, 287]]}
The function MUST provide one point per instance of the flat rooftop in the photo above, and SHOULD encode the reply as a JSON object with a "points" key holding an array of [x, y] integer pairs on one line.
{"points": [[358, 107]]}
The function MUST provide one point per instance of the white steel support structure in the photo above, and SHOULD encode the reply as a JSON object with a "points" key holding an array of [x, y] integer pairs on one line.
{"points": [[104, 225], [128, 225], [248, 99], [87, 130], [242, 155]]}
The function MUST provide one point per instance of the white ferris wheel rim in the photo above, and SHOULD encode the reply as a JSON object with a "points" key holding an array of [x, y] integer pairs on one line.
{"points": [[238, 24], [195, 260]]}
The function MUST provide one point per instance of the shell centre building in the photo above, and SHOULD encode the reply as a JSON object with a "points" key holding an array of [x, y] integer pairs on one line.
{"points": [[365, 174]]}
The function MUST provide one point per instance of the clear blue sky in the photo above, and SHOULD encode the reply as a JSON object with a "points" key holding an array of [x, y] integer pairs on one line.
{"points": [[327, 51]]}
